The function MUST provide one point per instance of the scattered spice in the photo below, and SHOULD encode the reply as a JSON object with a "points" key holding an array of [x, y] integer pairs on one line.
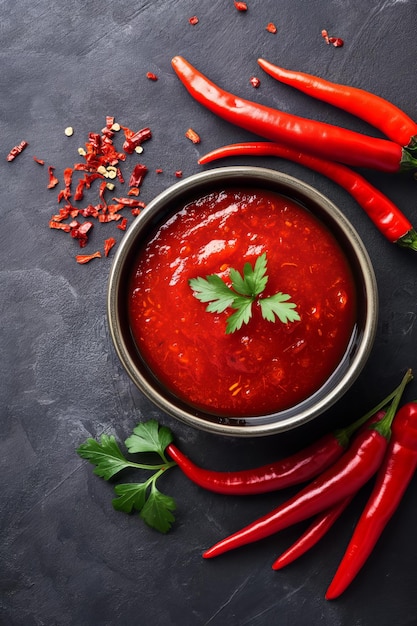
{"points": [[138, 174], [40, 161], [241, 6], [193, 20], [123, 224], [255, 82], [86, 258], [69, 131], [192, 136], [337, 42], [151, 76], [108, 245], [178, 174], [271, 28], [53, 181], [14, 152]]}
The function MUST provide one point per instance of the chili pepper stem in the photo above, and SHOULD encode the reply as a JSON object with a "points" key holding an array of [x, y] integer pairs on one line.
{"points": [[384, 426], [409, 240]]}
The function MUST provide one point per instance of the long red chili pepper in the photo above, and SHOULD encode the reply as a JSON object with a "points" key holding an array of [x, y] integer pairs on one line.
{"points": [[287, 472], [377, 111], [357, 465], [318, 528], [386, 216], [325, 140], [392, 480]]}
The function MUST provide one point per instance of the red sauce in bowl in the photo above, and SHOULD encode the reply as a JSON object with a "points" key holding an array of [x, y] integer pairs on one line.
{"points": [[264, 367]]}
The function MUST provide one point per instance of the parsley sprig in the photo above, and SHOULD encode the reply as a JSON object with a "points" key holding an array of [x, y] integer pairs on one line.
{"points": [[244, 291], [154, 507]]}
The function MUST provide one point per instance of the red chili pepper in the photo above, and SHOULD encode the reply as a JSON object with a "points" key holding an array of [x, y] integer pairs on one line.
{"points": [[386, 216], [14, 152], [357, 465], [392, 480], [325, 140], [319, 527], [287, 472], [377, 111]]}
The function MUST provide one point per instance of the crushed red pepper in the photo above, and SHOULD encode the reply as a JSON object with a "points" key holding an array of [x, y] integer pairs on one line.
{"points": [[86, 258], [241, 6], [255, 82], [16, 150], [271, 28], [138, 174], [151, 76], [193, 20], [337, 42], [192, 136], [108, 245], [40, 161], [53, 181]]}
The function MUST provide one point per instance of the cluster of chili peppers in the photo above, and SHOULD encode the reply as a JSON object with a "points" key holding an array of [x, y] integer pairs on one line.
{"points": [[383, 442], [328, 149]]}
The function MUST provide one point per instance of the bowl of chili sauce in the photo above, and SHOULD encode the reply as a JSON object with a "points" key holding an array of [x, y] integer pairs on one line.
{"points": [[269, 374]]}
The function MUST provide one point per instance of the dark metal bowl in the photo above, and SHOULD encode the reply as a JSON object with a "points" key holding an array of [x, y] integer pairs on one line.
{"points": [[174, 199]]}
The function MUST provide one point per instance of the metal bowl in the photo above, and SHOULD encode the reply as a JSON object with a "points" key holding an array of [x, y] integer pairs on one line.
{"points": [[175, 198]]}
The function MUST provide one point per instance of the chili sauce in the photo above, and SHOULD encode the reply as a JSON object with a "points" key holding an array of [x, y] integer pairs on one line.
{"points": [[265, 366]]}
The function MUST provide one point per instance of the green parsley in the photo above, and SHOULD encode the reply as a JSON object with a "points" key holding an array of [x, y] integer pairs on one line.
{"points": [[244, 291], [154, 507]]}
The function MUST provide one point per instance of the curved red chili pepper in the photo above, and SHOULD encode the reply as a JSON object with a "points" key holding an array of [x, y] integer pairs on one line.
{"points": [[386, 216], [319, 527], [357, 465], [287, 472], [392, 480], [322, 139], [377, 111]]}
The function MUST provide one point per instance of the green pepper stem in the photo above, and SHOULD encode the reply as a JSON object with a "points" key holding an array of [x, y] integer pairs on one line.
{"points": [[408, 162], [343, 435], [384, 426], [409, 240]]}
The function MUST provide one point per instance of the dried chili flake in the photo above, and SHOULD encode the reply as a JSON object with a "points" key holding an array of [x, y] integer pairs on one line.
{"points": [[85, 258], [193, 20], [271, 28], [192, 136], [16, 150], [151, 76], [109, 122], [133, 191], [159, 170], [138, 174], [135, 212], [40, 161], [53, 181], [178, 173], [131, 202], [337, 42], [135, 139], [108, 245], [255, 82], [123, 224], [241, 6], [80, 231], [59, 225]]}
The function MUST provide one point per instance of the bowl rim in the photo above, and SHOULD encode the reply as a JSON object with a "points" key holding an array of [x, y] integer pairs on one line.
{"points": [[243, 427]]}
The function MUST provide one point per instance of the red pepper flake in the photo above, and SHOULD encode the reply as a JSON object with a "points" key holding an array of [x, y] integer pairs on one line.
{"points": [[123, 224], [108, 245], [109, 122], [159, 170], [193, 20], [40, 161], [336, 41], [241, 6], [271, 28], [59, 225], [14, 152], [53, 181], [138, 174], [135, 139], [178, 173], [255, 82], [80, 232], [133, 191], [131, 202], [192, 136], [86, 258], [151, 76]]}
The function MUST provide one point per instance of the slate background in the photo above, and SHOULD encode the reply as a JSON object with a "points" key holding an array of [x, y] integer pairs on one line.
{"points": [[67, 558]]}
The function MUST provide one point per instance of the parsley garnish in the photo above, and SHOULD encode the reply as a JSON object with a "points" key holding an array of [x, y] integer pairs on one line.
{"points": [[154, 507], [244, 291]]}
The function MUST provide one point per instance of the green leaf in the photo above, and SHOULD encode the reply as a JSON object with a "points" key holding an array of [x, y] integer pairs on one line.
{"points": [[253, 281], [132, 496], [241, 316], [149, 437], [156, 511], [279, 306], [212, 289], [106, 455]]}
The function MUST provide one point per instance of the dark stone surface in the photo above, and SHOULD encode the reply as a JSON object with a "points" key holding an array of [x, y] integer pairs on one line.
{"points": [[67, 558]]}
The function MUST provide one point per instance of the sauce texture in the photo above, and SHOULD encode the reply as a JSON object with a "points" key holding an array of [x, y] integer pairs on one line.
{"points": [[264, 367]]}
